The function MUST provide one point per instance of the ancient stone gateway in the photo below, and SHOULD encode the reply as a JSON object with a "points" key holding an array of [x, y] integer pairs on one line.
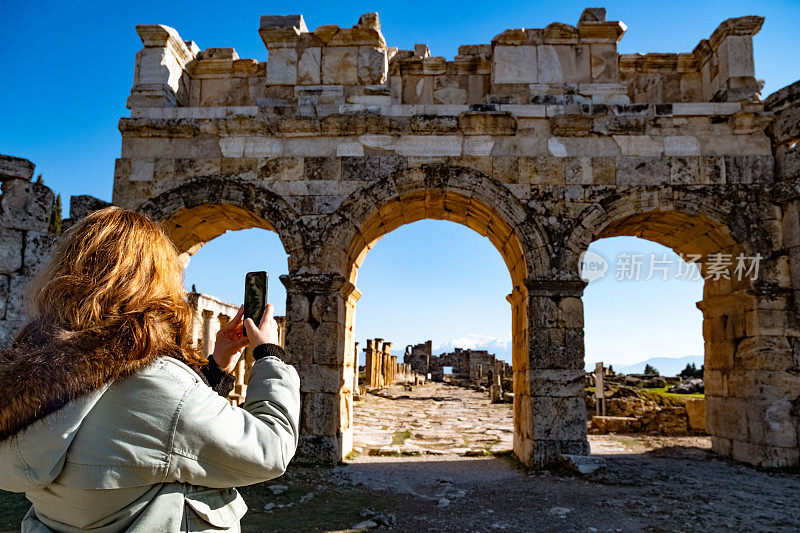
{"points": [[543, 141]]}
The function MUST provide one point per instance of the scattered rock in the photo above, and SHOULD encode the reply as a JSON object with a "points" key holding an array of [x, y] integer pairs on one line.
{"points": [[581, 464], [269, 507], [278, 489], [453, 493], [690, 386], [364, 526], [443, 502], [561, 512], [385, 519]]}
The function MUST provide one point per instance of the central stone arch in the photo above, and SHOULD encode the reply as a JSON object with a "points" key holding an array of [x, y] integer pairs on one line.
{"points": [[473, 199]]}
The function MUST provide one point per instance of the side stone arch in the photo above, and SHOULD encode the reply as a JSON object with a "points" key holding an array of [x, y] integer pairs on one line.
{"points": [[749, 325], [688, 221], [201, 209]]}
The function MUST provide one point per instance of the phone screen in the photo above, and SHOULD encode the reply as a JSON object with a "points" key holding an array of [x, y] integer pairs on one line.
{"points": [[255, 295]]}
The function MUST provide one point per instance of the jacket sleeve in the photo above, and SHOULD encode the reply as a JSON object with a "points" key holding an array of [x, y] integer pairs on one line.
{"points": [[220, 381], [218, 445]]}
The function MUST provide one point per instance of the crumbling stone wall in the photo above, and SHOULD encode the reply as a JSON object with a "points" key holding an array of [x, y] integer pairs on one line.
{"points": [[26, 240], [542, 140], [471, 367], [419, 356], [25, 211]]}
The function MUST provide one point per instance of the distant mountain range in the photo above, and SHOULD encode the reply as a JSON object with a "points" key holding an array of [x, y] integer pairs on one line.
{"points": [[666, 366]]}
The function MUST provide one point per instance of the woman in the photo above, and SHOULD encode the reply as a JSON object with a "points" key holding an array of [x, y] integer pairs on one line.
{"points": [[104, 424]]}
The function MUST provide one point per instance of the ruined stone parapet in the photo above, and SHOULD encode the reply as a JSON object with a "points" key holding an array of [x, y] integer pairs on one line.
{"points": [[318, 72]]}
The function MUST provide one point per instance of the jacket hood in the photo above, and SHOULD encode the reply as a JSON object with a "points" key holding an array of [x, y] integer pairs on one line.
{"points": [[46, 390], [35, 456]]}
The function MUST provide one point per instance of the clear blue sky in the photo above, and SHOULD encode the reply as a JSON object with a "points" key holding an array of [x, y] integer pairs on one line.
{"points": [[68, 68]]}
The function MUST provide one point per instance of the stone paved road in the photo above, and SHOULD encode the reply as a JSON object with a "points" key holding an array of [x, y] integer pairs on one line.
{"points": [[430, 420], [438, 419]]}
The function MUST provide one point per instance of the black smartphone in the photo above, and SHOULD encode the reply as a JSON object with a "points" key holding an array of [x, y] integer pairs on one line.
{"points": [[255, 296]]}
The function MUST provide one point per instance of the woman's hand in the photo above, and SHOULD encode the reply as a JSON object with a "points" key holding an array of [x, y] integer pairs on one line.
{"points": [[267, 330], [230, 342]]}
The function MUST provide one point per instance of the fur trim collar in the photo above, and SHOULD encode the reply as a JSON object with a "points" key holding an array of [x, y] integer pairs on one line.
{"points": [[38, 376]]}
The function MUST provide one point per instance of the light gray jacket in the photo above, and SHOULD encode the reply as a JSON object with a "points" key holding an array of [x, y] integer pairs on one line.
{"points": [[157, 451]]}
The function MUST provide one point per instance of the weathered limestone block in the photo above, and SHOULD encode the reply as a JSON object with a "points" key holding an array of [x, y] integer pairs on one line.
{"points": [[280, 31], [15, 167], [514, 64], [696, 411], [547, 411], [373, 66], [340, 65], [25, 205], [417, 90], [570, 64], [320, 413], [309, 66], [764, 353], [615, 424], [11, 245], [38, 248], [320, 378], [487, 123], [642, 171], [603, 59], [17, 287], [282, 66], [570, 125]]}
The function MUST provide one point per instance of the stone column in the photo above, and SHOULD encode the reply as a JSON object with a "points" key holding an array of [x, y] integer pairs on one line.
{"points": [[378, 362], [369, 363], [208, 333], [316, 318], [386, 364], [553, 391], [356, 390]]}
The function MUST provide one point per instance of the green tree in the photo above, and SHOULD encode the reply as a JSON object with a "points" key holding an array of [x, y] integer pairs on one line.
{"points": [[689, 371], [649, 369], [39, 180], [55, 216]]}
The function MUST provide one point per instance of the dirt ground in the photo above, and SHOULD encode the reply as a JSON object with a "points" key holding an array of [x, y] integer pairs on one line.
{"points": [[647, 483]]}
